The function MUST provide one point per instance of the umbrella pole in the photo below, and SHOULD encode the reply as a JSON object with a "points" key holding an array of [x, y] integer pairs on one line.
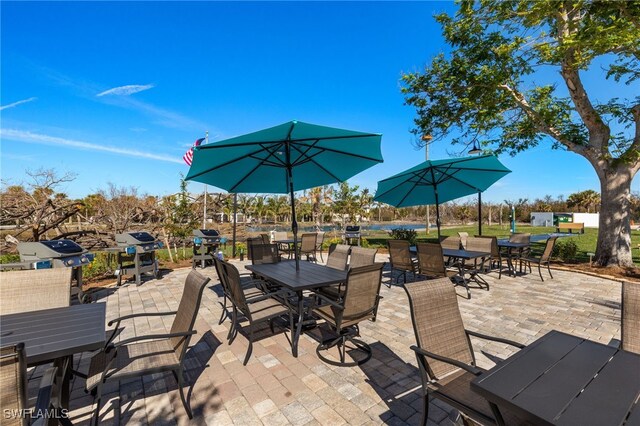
{"points": [[479, 213], [294, 222]]}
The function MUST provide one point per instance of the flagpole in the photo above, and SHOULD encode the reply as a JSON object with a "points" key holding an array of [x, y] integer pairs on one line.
{"points": [[204, 218]]}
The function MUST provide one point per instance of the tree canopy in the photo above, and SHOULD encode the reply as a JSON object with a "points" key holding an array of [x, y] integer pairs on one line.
{"points": [[514, 77]]}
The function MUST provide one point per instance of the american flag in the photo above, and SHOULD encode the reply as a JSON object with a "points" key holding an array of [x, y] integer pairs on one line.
{"points": [[188, 156]]}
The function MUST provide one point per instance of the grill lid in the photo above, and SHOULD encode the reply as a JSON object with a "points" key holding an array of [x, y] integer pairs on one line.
{"points": [[129, 238], [66, 247], [352, 228], [205, 233]]}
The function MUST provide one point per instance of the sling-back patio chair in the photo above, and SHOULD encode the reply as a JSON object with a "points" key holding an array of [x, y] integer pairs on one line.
{"points": [[150, 354], [35, 289], [463, 239], [451, 243], [319, 243], [308, 246], [482, 245], [401, 260], [496, 255], [522, 238], [267, 306], [544, 259], [444, 353], [358, 303], [13, 389], [250, 288], [362, 257], [431, 261], [266, 239], [338, 256], [285, 249], [630, 328]]}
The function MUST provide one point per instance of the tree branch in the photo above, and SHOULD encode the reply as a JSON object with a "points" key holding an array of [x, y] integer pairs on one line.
{"points": [[598, 130]]}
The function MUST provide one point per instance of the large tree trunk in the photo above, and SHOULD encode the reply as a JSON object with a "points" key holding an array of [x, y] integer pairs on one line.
{"points": [[614, 233]]}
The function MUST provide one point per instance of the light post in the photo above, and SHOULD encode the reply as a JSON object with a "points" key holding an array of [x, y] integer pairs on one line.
{"points": [[427, 139], [473, 151]]}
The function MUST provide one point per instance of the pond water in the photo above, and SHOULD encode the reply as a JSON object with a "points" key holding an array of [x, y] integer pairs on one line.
{"points": [[336, 228]]}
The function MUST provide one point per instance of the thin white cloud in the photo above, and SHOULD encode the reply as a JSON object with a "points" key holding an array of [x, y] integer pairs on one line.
{"points": [[15, 104], [26, 136], [126, 90]]}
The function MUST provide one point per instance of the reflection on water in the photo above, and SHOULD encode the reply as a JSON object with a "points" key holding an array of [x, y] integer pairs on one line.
{"points": [[336, 228]]}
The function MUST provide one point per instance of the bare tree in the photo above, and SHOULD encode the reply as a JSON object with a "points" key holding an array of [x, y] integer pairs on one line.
{"points": [[38, 208]]}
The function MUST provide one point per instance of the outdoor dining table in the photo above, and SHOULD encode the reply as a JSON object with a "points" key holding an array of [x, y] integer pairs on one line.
{"points": [[55, 335], [310, 276], [511, 246], [562, 379], [464, 255]]}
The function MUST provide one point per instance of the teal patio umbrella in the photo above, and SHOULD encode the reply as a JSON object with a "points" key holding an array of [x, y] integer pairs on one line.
{"points": [[437, 181], [286, 158]]}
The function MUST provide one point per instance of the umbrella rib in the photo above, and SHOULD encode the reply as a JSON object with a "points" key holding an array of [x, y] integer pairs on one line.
{"points": [[304, 154], [226, 163], [320, 166], [451, 176], [364, 157], [410, 176], [216, 145], [254, 169]]}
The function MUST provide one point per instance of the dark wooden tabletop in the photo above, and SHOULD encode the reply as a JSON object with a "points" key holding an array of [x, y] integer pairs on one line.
{"points": [[310, 275], [562, 379], [464, 254], [287, 241], [54, 333], [510, 244]]}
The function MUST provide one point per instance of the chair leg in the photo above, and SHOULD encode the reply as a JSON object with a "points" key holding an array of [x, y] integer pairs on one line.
{"points": [[180, 379], [539, 270], [549, 269], [250, 348], [98, 398], [425, 409], [233, 330], [224, 314]]}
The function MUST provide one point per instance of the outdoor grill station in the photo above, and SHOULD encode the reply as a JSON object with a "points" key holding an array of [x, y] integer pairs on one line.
{"points": [[205, 244], [352, 232], [136, 255], [56, 254]]}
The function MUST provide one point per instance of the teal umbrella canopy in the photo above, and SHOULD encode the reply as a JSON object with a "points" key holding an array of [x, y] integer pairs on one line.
{"points": [[259, 161], [437, 181], [286, 158]]}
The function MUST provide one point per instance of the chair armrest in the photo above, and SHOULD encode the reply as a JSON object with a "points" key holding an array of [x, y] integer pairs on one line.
{"points": [[265, 296], [470, 368], [495, 339], [143, 314], [327, 300], [45, 391], [153, 337]]}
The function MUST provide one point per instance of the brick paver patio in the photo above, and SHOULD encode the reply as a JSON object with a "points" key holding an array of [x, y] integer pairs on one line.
{"points": [[275, 388]]}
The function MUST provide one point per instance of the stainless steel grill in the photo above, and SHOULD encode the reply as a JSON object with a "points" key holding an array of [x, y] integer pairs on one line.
{"points": [[205, 244], [60, 254], [352, 232], [136, 255]]}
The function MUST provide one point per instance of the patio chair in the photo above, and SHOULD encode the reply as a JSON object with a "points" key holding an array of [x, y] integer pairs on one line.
{"points": [[13, 390], [630, 321], [523, 238], [545, 258], [401, 260], [463, 239], [250, 289], [451, 243], [431, 261], [496, 255], [35, 289], [482, 245], [252, 241], [308, 246], [266, 239], [150, 354], [264, 253], [338, 256], [359, 303], [319, 243], [285, 249], [267, 306], [362, 257], [444, 353]]}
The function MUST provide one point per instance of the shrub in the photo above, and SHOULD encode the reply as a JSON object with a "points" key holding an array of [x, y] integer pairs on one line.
{"points": [[327, 242], [100, 266], [565, 250], [9, 258], [404, 234]]}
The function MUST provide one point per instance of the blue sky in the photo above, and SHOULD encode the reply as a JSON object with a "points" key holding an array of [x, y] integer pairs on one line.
{"points": [[117, 92]]}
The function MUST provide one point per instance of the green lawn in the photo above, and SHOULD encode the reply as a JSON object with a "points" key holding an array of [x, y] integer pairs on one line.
{"points": [[586, 242]]}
